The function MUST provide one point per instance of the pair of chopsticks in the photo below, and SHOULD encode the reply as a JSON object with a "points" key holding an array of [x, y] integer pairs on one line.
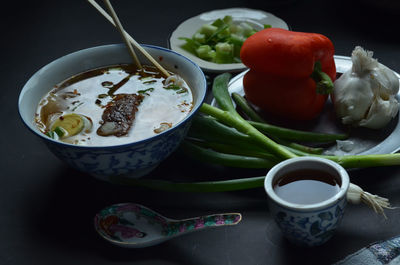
{"points": [[113, 19]]}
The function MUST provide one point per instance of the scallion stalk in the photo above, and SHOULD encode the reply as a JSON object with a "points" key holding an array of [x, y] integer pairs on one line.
{"points": [[283, 133], [246, 108], [297, 135], [204, 186], [238, 156], [233, 149], [207, 128], [241, 125], [210, 156]]}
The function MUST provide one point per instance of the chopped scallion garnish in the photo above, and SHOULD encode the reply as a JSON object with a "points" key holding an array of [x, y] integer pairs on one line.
{"points": [[144, 91], [173, 87], [51, 134], [59, 131]]}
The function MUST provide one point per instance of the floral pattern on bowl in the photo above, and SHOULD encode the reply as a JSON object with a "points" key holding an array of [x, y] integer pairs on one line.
{"points": [[301, 229], [130, 160], [133, 160]]}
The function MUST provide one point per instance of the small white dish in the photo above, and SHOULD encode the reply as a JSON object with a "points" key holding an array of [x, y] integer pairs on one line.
{"points": [[256, 18]]}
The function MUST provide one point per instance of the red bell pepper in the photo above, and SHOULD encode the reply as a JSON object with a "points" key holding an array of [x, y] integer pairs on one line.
{"points": [[291, 73]]}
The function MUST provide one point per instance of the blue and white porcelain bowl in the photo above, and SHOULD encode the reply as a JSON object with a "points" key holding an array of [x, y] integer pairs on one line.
{"points": [[307, 224], [133, 159]]}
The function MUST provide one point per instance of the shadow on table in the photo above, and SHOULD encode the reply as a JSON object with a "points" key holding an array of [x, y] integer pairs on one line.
{"points": [[61, 218]]}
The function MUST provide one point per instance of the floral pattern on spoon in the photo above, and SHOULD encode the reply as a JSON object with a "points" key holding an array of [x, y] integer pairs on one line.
{"points": [[134, 225]]}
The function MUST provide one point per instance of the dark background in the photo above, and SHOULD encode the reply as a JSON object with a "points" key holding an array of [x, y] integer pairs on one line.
{"points": [[47, 208]]}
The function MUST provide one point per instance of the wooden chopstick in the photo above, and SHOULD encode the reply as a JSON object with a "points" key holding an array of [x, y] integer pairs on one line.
{"points": [[121, 30], [131, 40]]}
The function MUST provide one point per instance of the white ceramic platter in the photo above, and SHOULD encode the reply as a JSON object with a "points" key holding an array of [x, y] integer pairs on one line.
{"points": [[363, 141], [256, 18]]}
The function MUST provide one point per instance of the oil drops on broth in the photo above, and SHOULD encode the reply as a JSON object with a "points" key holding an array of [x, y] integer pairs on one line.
{"points": [[113, 105]]}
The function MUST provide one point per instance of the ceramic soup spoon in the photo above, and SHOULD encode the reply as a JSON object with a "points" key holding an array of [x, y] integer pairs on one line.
{"points": [[134, 226]]}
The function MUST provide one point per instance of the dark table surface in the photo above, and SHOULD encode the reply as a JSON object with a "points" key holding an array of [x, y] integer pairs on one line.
{"points": [[47, 208]]}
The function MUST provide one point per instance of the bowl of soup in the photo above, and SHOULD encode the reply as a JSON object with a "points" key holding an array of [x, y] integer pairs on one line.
{"points": [[105, 116]]}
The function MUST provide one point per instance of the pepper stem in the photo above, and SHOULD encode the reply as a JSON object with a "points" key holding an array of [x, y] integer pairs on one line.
{"points": [[323, 81]]}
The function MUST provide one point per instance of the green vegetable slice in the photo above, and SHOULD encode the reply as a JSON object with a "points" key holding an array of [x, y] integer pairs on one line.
{"points": [[220, 41], [68, 125]]}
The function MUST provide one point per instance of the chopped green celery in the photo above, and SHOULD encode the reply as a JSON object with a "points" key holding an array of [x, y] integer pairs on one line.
{"points": [[206, 52], [223, 47], [247, 29], [208, 30], [224, 33], [204, 41], [199, 37], [237, 41], [190, 45], [236, 52], [215, 38], [224, 52], [251, 33], [218, 23], [234, 29], [228, 19]]}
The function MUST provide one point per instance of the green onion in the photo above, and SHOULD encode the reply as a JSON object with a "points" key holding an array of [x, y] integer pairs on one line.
{"points": [[300, 147], [229, 116], [241, 125], [51, 134], [282, 133], [59, 131], [209, 129], [144, 91], [211, 156], [290, 134], [246, 108], [205, 186], [266, 152], [172, 87]]}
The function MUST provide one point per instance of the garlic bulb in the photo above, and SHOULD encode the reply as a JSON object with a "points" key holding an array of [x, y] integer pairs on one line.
{"points": [[365, 95]]}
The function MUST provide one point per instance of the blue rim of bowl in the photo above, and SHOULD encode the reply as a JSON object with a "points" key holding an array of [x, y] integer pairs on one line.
{"points": [[193, 112]]}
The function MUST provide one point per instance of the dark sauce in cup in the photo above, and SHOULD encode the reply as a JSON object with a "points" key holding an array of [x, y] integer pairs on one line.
{"points": [[307, 186]]}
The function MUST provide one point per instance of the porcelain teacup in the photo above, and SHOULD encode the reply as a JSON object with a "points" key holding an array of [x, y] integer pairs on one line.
{"points": [[307, 224]]}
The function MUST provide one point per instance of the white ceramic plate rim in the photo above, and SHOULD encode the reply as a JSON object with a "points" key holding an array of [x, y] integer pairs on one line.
{"points": [[390, 144], [187, 28]]}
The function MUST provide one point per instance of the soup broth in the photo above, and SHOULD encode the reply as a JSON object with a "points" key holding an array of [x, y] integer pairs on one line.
{"points": [[113, 105]]}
